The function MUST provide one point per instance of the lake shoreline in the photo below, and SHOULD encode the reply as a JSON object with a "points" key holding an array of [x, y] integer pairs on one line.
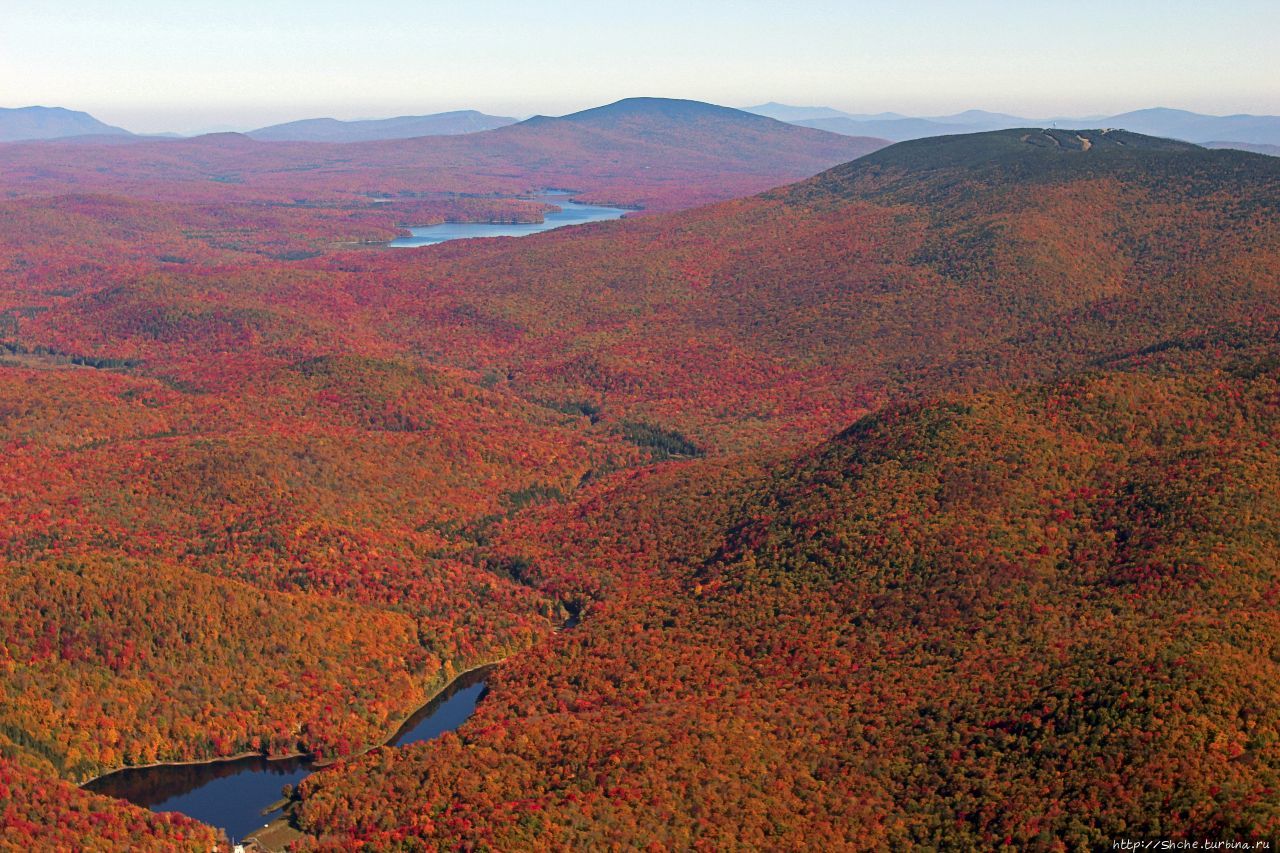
{"points": [[317, 763], [566, 211]]}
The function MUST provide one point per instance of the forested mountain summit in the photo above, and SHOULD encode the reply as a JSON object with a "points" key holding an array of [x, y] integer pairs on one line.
{"points": [[966, 262], [929, 169]]}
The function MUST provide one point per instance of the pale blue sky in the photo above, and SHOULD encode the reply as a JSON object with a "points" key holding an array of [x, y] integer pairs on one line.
{"points": [[187, 65]]}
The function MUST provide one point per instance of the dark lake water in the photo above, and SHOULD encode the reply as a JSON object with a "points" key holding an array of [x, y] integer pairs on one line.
{"points": [[570, 213], [232, 795]]}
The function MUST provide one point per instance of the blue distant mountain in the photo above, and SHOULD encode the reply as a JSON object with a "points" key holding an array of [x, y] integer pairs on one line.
{"points": [[1258, 133], [785, 112], [24, 123], [894, 129], [1195, 127], [1173, 124], [400, 127], [978, 118], [1255, 147]]}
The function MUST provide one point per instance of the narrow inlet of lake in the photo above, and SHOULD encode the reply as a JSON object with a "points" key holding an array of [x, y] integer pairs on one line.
{"points": [[235, 795]]}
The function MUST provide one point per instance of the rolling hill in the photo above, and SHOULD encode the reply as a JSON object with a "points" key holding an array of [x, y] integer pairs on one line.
{"points": [[1012, 254], [401, 127], [997, 620]]}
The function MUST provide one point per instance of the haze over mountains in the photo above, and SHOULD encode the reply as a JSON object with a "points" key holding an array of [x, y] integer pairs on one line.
{"points": [[649, 153], [1256, 148], [25, 123], [401, 127], [1175, 124], [1248, 132]]}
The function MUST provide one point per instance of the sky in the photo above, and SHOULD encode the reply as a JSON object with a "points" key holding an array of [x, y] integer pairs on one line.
{"points": [[193, 65]]}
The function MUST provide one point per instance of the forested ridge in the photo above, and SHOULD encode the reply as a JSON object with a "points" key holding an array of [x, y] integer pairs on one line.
{"points": [[929, 501], [1038, 619]]}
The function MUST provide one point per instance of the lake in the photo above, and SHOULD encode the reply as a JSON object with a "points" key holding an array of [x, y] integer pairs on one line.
{"points": [[570, 213], [233, 795]]}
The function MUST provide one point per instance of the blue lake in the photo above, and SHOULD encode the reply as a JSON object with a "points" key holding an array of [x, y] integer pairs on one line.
{"points": [[570, 213], [234, 795]]}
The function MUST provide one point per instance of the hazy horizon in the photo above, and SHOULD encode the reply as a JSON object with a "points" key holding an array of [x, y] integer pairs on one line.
{"points": [[356, 116], [153, 67]]}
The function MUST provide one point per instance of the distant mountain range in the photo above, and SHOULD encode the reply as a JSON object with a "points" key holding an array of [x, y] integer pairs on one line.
{"points": [[44, 123], [51, 123], [650, 153], [788, 113], [1272, 150], [401, 127], [1235, 131], [1260, 134]]}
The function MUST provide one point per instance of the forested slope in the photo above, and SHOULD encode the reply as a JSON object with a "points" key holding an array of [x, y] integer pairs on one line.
{"points": [[1041, 619], [261, 493]]}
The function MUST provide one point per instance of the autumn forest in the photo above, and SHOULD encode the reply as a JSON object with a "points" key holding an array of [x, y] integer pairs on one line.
{"points": [[842, 495]]}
